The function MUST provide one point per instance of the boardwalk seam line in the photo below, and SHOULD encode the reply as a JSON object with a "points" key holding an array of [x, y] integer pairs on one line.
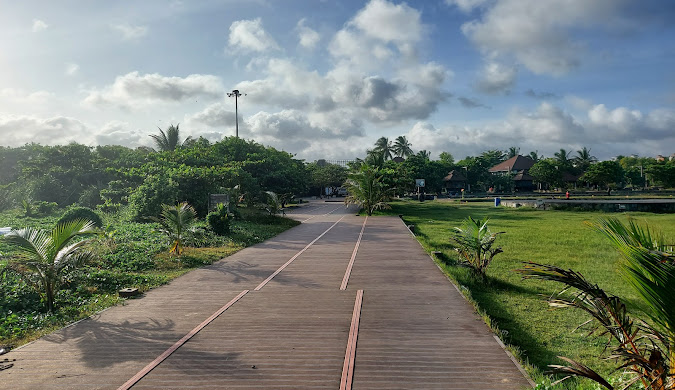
{"points": [[131, 382], [350, 353], [264, 282], [330, 212], [348, 272]]}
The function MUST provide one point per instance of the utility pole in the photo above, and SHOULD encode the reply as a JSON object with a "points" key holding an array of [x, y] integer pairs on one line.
{"points": [[236, 95]]}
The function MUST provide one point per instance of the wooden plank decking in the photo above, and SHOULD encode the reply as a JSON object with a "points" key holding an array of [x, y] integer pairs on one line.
{"points": [[414, 330]]}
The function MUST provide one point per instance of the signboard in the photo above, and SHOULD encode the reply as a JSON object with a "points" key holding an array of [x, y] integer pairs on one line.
{"points": [[419, 182], [215, 199]]}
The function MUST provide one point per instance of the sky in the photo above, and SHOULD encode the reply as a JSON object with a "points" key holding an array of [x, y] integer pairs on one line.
{"points": [[325, 79]]}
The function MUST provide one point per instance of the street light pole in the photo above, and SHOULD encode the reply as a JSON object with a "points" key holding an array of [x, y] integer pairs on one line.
{"points": [[236, 95]]}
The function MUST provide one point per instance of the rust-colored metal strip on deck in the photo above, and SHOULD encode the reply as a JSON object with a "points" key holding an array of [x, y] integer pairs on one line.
{"points": [[178, 344], [348, 272], [264, 282], [330, 212], [350, 353]]}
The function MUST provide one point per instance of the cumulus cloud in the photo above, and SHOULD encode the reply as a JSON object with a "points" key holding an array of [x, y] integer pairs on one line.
{"points": [[496, 78], [249, 35], [215, 115], [130, 32], [72, 69], [17, 130], [39, 25], [470, 103], [119, 133], [308, 38], [609, 132], [467, 5], [133, 89], [389, 22], [539, 34], [14, 96]]}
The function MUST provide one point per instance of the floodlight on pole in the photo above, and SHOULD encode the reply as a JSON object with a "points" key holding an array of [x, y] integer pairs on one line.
{"points": [[236, 95]]}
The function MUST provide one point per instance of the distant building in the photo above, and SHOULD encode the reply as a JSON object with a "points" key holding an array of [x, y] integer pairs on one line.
{"points": [[518, 166], [455, 181]]}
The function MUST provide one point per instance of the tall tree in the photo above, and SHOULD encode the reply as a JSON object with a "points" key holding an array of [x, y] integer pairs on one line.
{"points": [[402, 148], [512, 152], [584, 159], [604, 173], [169, 140], [563, 159], [383, 145], [534, 155]]}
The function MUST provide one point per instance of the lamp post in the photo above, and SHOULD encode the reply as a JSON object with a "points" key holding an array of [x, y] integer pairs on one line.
{"points": [[236, 95]]}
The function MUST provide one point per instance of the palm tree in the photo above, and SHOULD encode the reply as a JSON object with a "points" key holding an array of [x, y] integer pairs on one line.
{"points": [[402, 148], [512, 152], [383, 145], [366, 189], [584, 159], [563, 159], [646, 349], [375, 158], [174, 222], [170, 140], [535, 156], [46, 256], [474, 242], [425, 154]]}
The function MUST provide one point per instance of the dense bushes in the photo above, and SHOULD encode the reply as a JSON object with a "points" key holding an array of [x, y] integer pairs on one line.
{"points": [[147, 200], [219, 220], [84, 213]]}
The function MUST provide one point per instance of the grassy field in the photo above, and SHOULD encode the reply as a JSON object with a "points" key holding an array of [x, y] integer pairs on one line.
{"points": [[517, 307]]}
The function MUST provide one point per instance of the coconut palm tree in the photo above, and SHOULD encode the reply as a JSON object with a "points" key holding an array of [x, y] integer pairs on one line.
{"points": [[170, 140], [583, 159], [366, 189], [512, 152], [45, 257], [535, 156], [175, 222], [383, 145], [402, 148], [563, 159], [474, 243], [647, 348]]}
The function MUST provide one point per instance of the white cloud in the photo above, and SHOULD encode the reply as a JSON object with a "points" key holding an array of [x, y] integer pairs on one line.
{"points": [[14, 96], [467, 5], [39, 25], [249, 35], [539, 33], [388, 22], [215, 115], [609, 132], [72, 69], [17, 130], [496, 78], [308, 38], [129, 31], [119, 133], [133, 90]]}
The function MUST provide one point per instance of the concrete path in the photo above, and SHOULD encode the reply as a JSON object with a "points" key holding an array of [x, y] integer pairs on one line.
{"points": [[338, 302]]}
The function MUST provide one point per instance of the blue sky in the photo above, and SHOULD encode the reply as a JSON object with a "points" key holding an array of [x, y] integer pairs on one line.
{"points": [[325, 79]]}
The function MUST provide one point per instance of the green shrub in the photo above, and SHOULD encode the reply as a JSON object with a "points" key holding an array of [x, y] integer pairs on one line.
{"points": [[219, 220], [146, 201], [45, 208], [81, 213]]}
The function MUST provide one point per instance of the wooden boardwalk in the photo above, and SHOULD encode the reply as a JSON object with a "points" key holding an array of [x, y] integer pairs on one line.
{"points": [[338, 302]]}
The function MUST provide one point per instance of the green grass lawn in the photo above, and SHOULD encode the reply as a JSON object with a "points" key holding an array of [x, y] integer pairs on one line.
{"points": [[517, 307]]}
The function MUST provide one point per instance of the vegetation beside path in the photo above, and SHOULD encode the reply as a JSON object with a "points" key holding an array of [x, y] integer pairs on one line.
{"points": [[128, 254], [517, 309]]}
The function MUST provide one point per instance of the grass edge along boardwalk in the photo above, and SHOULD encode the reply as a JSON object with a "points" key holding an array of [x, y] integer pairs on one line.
{"points": [[293, 333], [517, 310]]}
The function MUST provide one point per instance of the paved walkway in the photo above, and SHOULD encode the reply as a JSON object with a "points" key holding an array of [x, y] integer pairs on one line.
{"points": [[338, 302]]}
